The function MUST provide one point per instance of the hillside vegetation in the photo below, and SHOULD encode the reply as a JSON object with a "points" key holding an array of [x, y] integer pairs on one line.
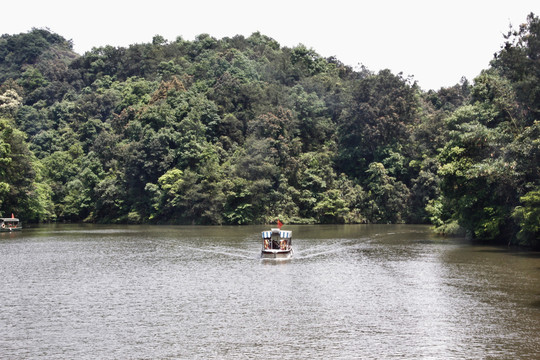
{"points": [[242, 130]]}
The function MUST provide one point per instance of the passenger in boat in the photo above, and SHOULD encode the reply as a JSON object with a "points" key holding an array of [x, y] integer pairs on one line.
{"points": [[283, 244], [266, 243]]}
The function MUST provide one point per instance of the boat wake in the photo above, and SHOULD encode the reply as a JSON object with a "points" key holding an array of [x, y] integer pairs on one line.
{"points": [[227, 251], [301, 250], [336, 247]]}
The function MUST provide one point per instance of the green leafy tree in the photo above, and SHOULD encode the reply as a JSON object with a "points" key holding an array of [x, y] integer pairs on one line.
{"points": [[332, 208], [387, 198], [21, 189], [238, 207], [241, 131], [170, 193], [425, 189], [528, 217], [481, 179], [314, 127], [110, 196], [375, 118], [518, 62]]}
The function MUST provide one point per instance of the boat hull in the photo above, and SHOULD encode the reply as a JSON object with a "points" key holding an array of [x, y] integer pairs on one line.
{"points": [[11, 229], [276, 254]]}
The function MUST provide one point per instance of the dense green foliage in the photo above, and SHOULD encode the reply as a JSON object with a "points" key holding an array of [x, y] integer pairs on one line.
{"points": [[241, 130]]}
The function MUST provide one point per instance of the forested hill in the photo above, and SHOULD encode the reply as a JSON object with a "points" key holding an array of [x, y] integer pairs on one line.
{"points": [[242, 130]]}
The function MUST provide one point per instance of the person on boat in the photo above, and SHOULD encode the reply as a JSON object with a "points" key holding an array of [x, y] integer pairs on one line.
{"points": [[283, 244], [266, 243]]}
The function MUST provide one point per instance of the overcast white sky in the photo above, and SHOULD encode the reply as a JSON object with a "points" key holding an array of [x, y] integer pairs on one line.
{"points": [[437, 42]]}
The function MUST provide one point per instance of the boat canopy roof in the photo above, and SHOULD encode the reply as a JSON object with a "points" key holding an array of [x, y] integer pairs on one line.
{"points": [[9, 220], [285, 234]]}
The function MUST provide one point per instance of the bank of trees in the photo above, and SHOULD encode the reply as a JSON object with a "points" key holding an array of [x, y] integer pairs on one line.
{"points": [[242, 130]]}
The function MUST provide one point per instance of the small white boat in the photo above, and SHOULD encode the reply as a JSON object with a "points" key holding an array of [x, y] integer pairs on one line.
{"points": [[10, 224], [276, 244]]}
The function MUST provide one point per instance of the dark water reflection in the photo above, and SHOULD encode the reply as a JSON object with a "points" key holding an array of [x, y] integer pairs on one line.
{"points": [[369, 292]]}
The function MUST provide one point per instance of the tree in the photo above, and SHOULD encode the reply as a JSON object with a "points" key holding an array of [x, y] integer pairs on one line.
{"points": [[21, 189], [314, 128], [110, 200], [332, 208], [376, 118], [387, 198], [482, 177], [307, 60], [241, 131], [425, 189], [169, 193], [10, 102], [528, 217], [518, 62]]}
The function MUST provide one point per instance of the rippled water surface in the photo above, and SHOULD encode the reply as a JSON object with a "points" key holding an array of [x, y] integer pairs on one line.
{"points": [[350, 292]]}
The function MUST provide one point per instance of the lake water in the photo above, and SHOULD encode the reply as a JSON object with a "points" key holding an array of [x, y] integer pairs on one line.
{"points": [[186, 292]]}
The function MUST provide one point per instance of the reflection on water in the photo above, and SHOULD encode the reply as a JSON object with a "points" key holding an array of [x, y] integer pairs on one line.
{"points": [[165, 292]]}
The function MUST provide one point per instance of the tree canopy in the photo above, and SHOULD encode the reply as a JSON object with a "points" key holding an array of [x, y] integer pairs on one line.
{"points": [[242, 130]]}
